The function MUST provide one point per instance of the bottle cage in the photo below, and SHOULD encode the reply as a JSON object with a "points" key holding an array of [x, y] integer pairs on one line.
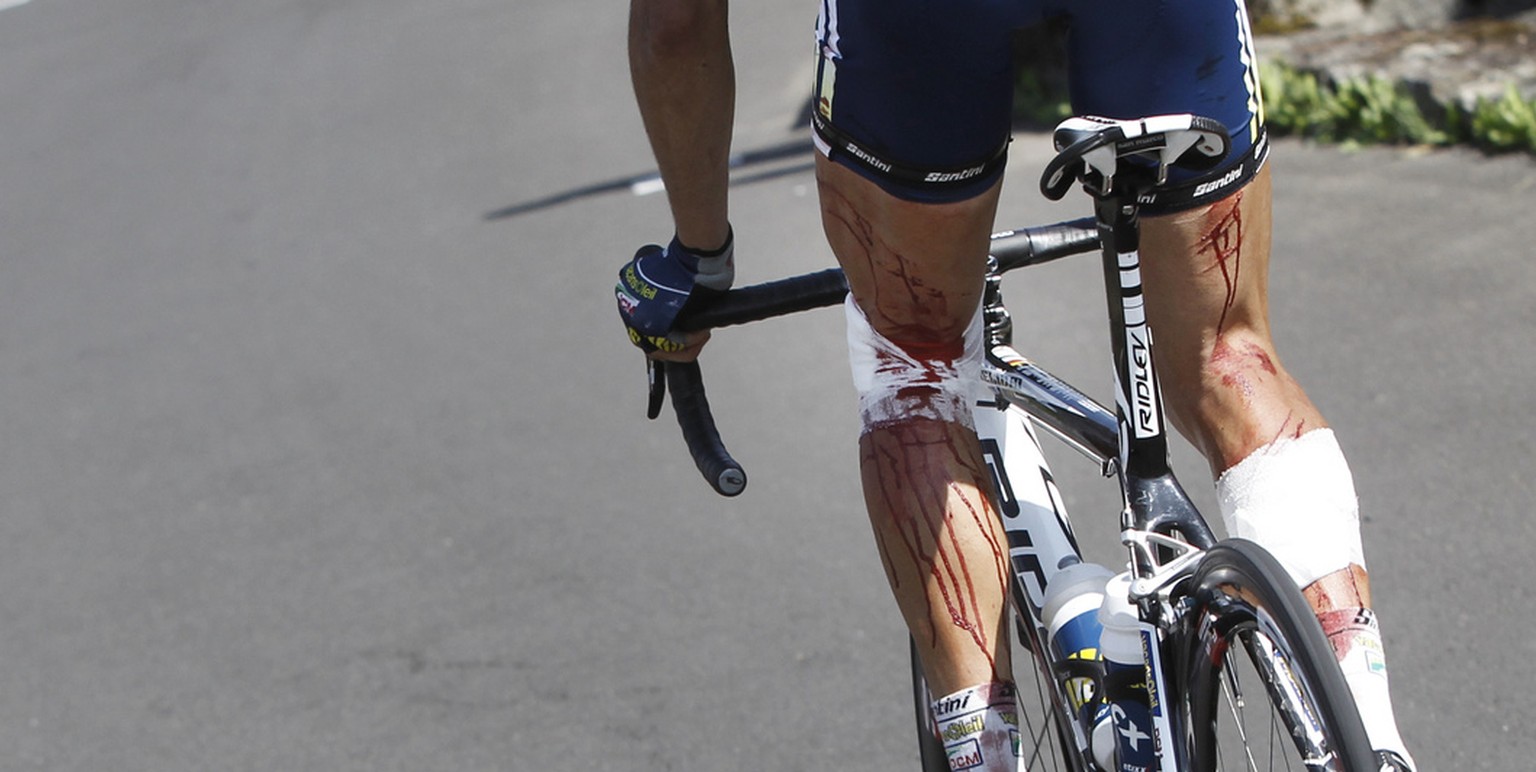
{"points": [[1090, 149]]}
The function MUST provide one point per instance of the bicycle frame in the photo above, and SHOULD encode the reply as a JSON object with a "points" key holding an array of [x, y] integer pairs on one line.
{"points": [[1155, 503], [1125, 442], [1160, 525], [1164, 533]]}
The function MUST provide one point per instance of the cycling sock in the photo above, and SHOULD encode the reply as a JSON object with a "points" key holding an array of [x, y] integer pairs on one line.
{"points": [[1356, 640], [979, 727], [1296, 498]]}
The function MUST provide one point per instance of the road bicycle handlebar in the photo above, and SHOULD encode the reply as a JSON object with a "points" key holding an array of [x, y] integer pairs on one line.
{"points": [[1042, 244], [770, 299], [684, 381]]}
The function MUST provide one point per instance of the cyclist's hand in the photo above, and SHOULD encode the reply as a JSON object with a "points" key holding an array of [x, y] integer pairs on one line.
{"points": [[656, 286]]}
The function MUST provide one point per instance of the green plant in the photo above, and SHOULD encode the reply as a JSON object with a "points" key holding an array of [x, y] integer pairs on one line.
{"points": [[1294, 102], [1373, 110], [1368, 110], [1039, 102], [1379, 111], [1505, 124]]}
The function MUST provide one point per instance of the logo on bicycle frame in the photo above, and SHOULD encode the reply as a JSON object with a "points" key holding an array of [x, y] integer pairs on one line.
{"points": [[1141, 401], [1143, 407]]}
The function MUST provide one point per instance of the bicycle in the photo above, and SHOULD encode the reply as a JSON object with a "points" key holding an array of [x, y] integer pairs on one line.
{"points": [[1204, 615]]}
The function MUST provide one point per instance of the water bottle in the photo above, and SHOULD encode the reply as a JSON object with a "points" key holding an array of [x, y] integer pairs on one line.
{"points": [[1071, 616], [1128, 736]]}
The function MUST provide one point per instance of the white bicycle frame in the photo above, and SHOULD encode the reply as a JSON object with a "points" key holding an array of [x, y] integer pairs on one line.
{"points": [[1038, 529]]}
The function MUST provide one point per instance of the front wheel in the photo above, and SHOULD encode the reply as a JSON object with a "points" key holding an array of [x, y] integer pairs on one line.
{"points": [[1261, 687]]}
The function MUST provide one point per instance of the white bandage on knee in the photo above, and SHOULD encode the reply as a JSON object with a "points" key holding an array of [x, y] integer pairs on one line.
{"points": [[895, 383], [1296, 498]]}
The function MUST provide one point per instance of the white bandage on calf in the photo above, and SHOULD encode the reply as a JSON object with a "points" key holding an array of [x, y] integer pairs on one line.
{"points": [[896, 383], [1296, 498]]}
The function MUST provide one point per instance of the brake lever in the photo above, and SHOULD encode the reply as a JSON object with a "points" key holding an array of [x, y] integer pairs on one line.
{"points": [[656, 383]]}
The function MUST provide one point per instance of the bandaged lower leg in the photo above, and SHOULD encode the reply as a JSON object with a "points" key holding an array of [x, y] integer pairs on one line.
{"points": [[905, 381], [979, 727], [1296, 497]]}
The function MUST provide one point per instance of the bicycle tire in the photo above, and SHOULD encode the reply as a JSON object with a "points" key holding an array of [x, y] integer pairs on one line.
{"points": [[930, 748], [1247, 612]]}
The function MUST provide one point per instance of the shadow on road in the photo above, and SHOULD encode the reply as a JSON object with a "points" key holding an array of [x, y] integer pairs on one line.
{"points": [[650, 182]]}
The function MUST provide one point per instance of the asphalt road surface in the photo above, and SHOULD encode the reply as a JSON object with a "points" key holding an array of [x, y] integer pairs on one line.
{"points": [[321, 449]]}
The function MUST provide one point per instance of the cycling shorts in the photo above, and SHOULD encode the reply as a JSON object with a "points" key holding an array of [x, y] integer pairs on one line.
{"points": [[917, 95]]}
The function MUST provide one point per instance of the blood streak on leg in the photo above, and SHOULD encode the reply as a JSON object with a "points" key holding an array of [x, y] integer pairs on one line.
{"points": [[897, 300], [927, 492], [923, 476], [1223, 241], [925, 482], [1240, 363], [1290, 428], [1236, 364]]}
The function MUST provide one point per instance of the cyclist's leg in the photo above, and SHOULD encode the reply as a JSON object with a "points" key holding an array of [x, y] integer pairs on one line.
{"points": [[1283, 480], [1224, 384], [1205, 270], [894, 82], [915, 272]]}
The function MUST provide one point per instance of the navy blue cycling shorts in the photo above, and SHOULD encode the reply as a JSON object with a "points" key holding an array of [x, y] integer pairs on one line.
{"points": [[917, 94]]}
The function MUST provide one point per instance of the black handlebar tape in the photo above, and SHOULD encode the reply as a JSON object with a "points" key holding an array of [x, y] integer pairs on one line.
{"points": [[1016, 249], [774, 298], [686, 385]]}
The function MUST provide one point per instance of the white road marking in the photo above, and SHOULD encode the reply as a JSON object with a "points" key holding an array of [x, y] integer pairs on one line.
{"points": [[644, 187], [6, 5]]}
